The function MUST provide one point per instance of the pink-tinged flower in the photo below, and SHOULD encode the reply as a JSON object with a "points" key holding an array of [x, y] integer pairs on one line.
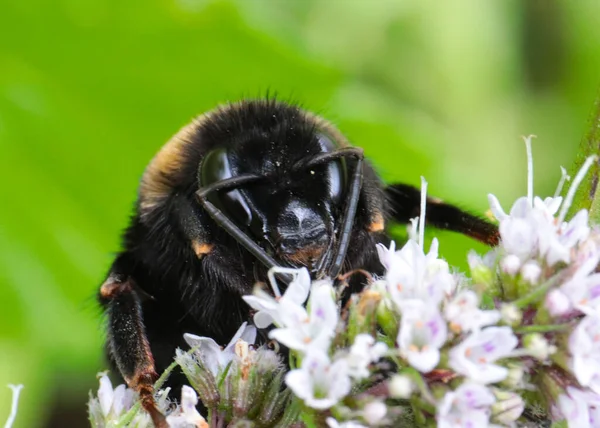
{"points": [[320, 383], [557, 303], [556, 243], [547, 207], [187, 415], [210, 353], [422, 333], [268, 307], [363, 352], [475, 356], [531, 271], [584, 345], [580, 409], [510, 264], [414, 277], [464, 315], [468, 406], [583, 288], [303, 329]]}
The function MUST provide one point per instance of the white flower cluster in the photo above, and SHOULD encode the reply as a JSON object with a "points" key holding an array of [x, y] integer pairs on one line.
{"points": [[435, 313], [321, 381], [115, 407], [545, 293], [462, 353]]}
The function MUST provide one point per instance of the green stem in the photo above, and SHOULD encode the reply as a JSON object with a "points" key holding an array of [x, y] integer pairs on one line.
{"points": [[541, 328], [537, 293]]}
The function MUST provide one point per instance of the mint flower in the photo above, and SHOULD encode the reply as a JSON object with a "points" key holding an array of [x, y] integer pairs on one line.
{"points": [[475, 356], [581, 409], [187, 414], [320, 383], [363, 352], [267, 306], [468, 406], [212, 355], [464, 315], [516, 344], [422, 333], [414, 277], [114, 402], [302, 329], [583, 288], [584, 345]]}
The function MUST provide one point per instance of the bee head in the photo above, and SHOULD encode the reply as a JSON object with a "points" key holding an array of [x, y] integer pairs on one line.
{"points": [[288, 187]]}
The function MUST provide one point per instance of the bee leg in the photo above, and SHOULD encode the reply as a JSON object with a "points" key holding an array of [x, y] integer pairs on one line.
{"points": [[404, 202], [127, 341]]}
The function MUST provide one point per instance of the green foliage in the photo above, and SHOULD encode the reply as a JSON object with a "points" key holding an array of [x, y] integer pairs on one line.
{"points": [[587, 195], [89, 90]]}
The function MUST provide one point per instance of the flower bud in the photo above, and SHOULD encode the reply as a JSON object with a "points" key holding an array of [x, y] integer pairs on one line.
{"points": [[508, 407], [538, 346], [531, 272], [557, 303], [514, 379], [510, 314], [510, 264], [200, 378], [387, 319], [374, 412], [400, 386], [363, 312], [480, 271]]}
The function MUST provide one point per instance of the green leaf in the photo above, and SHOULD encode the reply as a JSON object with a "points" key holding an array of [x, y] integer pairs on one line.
{"points": [[587, 196]]}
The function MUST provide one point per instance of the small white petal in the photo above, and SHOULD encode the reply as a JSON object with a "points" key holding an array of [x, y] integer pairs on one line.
{"points": [[118, 400], [105, 394], [262, 319], [496, 208], [208, 350]]}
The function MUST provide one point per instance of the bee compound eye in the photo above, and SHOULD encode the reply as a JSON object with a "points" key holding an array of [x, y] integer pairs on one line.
{"points": [[216, 167], [236, 203], [336, 171]]}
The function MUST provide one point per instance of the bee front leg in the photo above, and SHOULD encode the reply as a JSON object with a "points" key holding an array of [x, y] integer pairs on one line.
{"points": [[127, 341]]}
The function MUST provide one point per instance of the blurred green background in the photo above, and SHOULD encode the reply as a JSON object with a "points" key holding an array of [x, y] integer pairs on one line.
{"points": [[90, 89]]}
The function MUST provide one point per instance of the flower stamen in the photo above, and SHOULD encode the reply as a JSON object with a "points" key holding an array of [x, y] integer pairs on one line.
{"points": [[563, 177], [576, 182], [529, 168], [422, 216]]}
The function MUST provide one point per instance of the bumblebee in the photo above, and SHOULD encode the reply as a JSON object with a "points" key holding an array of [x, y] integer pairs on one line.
{"points": [[244, 188]]}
